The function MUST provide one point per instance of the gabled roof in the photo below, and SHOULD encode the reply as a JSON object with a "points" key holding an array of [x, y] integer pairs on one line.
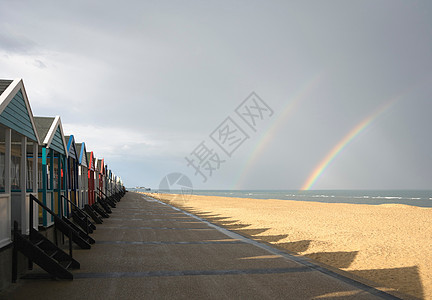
{"points": [[51, 133], [43, 125], [100, 165], [90, 159], [4, 83], [71, 147], [82, 154], [15, 110], [97, 164]]}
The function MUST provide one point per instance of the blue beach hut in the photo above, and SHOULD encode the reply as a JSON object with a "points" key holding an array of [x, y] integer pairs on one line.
{"points": [[18, 167], [53, 157], [83, 165], [110, 183], [72, 170]]}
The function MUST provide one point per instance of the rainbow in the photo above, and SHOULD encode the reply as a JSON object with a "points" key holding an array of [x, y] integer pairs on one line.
{"points": [[343, 143], [262, 143]]}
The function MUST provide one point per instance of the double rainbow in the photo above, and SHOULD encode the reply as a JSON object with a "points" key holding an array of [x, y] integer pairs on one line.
{"points": [[278, 122], [344, 142]]}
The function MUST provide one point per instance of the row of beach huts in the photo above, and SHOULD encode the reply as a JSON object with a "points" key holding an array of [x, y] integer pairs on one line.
{"points": [[45, 177]]}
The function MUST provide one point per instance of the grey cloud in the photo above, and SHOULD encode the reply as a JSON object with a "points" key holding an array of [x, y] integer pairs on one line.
{"points": [[39, 64], [177, 70], [16, 44]]}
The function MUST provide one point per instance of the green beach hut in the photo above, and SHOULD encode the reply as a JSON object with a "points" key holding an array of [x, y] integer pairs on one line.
{"points": [[19, 143], [53, 155]]}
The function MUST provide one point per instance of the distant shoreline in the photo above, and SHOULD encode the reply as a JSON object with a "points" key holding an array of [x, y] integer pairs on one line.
{"points": [[418, 198]]}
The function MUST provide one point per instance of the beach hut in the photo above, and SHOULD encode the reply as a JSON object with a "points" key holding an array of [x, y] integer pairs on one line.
{"points": [[100, 174], [72, 171], [19, 142], [107, 181], [82, 175], [116, 181], [117, 184], [53, 155], [112, 181], [91, 178]]}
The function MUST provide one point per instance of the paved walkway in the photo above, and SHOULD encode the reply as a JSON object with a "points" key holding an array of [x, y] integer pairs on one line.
{"points": [[149, 250]]}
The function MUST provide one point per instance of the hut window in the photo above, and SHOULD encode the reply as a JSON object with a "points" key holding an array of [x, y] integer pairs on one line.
{"points": [[62, 181], [55, 175], [40, 173], [2, 171], [15, 172], [29, 173], [48, 171], [15, 165]]}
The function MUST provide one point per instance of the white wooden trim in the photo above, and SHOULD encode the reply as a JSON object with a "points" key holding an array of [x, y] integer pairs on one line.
{"points": [[35, 184], [8, 148], [84, 153], [27, 102], [9, 93], [8, 151], [23, 187], [51, 132], [63, 137], [6, 240]]}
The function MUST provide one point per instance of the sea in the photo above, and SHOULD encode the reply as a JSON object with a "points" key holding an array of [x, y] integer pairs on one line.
{"points": [[420, 198]]}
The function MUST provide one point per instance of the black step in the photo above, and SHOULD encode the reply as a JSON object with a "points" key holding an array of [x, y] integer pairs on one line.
{"points": [[37, 243], [93, 214], [51, 249], [51, 253], [82, 222], [110, 202], [67, 229], [104, 205], [84, 215], [66, 264], [98, 208], [51, 260], [77, 230]]}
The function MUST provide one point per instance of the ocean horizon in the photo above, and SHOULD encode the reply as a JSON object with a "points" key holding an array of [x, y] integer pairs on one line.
{"points": [[420, 198]]}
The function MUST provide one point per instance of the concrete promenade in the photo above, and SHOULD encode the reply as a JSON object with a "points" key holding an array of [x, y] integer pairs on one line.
{"points": [[149, 250]]}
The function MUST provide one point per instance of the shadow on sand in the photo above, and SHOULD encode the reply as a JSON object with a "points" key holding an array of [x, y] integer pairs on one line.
{"points": [[383, 279]]}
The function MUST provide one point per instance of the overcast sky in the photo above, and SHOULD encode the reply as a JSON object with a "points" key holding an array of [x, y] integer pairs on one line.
{"points": [[147, 84]]}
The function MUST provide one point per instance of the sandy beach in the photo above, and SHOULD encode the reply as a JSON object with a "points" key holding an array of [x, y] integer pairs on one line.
{"points": [[387, 246]]}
